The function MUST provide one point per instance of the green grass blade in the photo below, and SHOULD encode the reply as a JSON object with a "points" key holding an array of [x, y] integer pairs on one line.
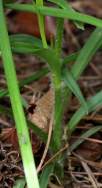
{"points": [[89, 49], [92, 104], [74, 87], [20, 183], [49, 55], [70, 58], [36, 42], [65, 5], [58, 110], [37, 75], [25, 43], [41, 24], [59, 36], [62, 3], [81, 139], [3, 93], [91, 46], [44, 177], [57, 12], [38, 131], [24, 141], [34, 77]]}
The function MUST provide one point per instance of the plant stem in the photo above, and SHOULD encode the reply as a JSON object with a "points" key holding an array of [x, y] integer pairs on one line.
{"points": [[41, 24], [59, 35], [57, 133], [21, 126]]}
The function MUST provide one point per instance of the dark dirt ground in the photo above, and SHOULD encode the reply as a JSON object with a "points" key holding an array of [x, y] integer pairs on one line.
{"points": [[87, 159]]}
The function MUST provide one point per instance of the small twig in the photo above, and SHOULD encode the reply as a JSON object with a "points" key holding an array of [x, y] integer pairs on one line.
{"points": [[5, 123], [91, 163], [80, 174], [89, 139], [47, 144], [92, 179], [95, 69], [56, 155]]}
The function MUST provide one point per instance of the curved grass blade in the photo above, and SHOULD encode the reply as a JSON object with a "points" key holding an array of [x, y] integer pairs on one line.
{"points": [[36, 42], [3, 93], [44, 177], [34, 77], [49, 55], [37, 75], [92, 104], [20, 183], [93, 43], [57, 12], [41, 24], [81, 139], [73, 86], [65, 5], [25, 43], [70, 58]]}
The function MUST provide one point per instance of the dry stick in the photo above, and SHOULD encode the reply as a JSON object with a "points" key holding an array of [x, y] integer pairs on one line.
{"points": [[95, 69], [89, 139], [47, 144], [91, 163], [71, 173], [4, 123], [56, 155], [92, 179], [78, 174]]}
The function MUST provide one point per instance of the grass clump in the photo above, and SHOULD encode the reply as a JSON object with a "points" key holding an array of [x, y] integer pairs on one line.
{"points": [[25, 44]]}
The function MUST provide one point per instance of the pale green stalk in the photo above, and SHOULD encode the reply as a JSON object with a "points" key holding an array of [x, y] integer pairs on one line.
{"points": [[41, 24], [21, 126]]}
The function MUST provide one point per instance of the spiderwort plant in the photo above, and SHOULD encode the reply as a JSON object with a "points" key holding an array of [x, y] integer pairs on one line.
{"points": [[63, 80]]}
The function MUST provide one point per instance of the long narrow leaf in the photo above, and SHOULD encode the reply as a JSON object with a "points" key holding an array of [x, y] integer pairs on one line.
{"points": [[61, 13], [70, 58], [74, 87], [81, 139], [65, 5], [62, 3], [92, 104], [45, 175], [20, 183], [3, 92], [24, 140], [93, 43], [41, 24], [36, 42], [21, 44], [37, 75]]}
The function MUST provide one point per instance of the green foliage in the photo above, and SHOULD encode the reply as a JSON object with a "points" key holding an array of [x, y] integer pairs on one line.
{"points": [[45, 175], [20, 183], [64, 81]]}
